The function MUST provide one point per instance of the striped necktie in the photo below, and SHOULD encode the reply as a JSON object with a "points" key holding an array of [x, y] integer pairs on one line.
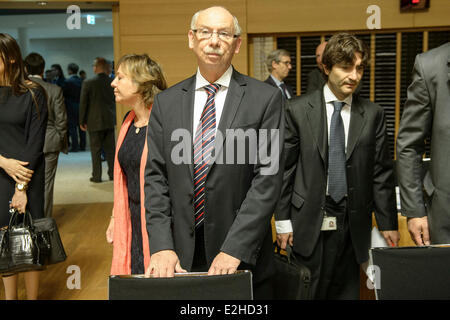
{"points": [[203, 147]]}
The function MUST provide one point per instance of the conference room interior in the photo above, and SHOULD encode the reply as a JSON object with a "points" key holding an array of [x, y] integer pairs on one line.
{"points": [[159, 28]]}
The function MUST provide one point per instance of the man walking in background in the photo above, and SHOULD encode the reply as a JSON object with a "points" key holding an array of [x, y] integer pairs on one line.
{"points": [[56, 132], [72, 91], [98, 117]]}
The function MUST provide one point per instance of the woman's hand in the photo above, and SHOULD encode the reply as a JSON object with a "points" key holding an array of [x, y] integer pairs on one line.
{"points": [[110, 230], [19, 201], [16, 169]]}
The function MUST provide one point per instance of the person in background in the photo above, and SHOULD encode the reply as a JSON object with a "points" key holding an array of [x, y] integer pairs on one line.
{"points": [[98, 116], [56, 132], [82, 75], [58, 75], [279, 64], [72, 91], [316, 77], [138, 80], [23, 123]]}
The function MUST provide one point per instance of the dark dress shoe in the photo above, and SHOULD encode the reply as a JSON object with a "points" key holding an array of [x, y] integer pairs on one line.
{"points": [[95, 180]]}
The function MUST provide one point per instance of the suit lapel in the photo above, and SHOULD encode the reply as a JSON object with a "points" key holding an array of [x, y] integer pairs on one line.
{"points": [[234, 97], [357, 121], [317, 120], [188, 92]]}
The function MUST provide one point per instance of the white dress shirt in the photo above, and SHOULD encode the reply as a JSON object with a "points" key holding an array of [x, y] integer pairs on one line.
{"points": [[201, 96], [285, 226]]}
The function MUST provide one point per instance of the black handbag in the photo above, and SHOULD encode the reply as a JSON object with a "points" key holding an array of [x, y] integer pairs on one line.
{"points": [[25, 249], [47, 228], [292, 279]]}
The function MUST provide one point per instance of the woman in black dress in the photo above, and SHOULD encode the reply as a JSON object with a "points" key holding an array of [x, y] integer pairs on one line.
{"points": [[138, 80], [23, 121]]}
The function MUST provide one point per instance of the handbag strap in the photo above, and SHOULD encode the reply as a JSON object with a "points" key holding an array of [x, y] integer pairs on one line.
{"points": [[27, 218], [289, 254]]}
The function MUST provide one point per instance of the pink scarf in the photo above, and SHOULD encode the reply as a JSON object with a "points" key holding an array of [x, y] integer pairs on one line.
{"points": [[121, 261]]}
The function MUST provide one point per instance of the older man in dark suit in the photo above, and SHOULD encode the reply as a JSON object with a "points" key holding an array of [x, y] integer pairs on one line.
{"points": [[426, 114], [56, 132], [338, 170], [98, 117], [278, 63], [203, 214]]}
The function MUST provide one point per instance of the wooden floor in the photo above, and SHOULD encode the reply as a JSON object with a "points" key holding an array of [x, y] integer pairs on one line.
{"points": [[82, 228]]}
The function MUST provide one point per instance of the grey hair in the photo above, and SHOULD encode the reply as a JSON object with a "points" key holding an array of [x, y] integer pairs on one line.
{"points": [[237, 27], [276, 56]]}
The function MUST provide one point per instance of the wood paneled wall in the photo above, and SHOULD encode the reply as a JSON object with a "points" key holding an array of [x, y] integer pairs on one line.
{"points": [[159, 27]]}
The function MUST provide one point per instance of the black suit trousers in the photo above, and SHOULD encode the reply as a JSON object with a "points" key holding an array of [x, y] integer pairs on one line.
{"points": [[99, 140], [333, 264]]}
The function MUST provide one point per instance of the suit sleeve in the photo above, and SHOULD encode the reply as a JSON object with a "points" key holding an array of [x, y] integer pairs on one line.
{"points": [[156, 187], [84, 102], [245, 237], [415, 127], [35, 129], [291, 156], [383, 179], [60, 115]]}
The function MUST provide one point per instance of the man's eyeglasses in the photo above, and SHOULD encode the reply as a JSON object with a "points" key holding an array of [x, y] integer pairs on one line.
{"points": [[286, 63], [204, 34]]}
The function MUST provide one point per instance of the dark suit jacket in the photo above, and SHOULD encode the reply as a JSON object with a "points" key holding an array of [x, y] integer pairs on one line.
{"points": [[427, 114], [316, 80], [370, 177], [270, 81], [72, 91], [56, 132], [239, 199], [97, 103]]}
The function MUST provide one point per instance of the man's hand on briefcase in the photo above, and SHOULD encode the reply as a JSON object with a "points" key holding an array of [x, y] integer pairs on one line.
{"points": [[163, 264], [224, 264], [284, 238]]}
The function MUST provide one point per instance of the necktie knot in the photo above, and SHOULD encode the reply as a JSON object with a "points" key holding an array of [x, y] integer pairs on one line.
{"points": [[212, 89], [338, 105]]}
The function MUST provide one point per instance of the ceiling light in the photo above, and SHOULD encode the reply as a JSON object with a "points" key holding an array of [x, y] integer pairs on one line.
{"points": [[41, 3]]}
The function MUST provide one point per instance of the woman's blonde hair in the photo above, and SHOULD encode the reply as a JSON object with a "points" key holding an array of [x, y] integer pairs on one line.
{"points": [[145, 73]]}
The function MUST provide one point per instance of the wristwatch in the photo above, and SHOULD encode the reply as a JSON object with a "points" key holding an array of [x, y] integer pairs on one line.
{"points": [[21, 186]]}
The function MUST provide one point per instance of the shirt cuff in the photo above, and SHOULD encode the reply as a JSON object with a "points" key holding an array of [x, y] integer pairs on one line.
{"points": [[283, 226]]}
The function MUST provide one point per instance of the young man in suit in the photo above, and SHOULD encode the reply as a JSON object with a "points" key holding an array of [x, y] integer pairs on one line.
{"points": [[426, 114], [337, 171], [279, 64], [98, 117], [56, 132], [207, 215]]}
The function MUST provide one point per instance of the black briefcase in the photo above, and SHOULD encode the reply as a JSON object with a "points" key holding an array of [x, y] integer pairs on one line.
{"points": [[187, 286], [292, 279], [411, 272]]}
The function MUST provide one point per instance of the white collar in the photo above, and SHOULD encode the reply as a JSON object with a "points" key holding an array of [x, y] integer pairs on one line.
{"points": [[330, 97], [224, 80]]}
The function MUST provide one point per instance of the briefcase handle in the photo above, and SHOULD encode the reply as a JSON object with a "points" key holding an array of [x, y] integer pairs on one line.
{"points": [[288, 250]]}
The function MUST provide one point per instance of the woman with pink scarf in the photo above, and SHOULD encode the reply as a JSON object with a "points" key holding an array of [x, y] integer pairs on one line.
{"points": [[138, 79]]}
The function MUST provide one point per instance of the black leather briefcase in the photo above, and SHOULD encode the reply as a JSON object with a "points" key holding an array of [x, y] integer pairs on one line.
{"points": [[407, 273], [292, 279], [189, 286]]}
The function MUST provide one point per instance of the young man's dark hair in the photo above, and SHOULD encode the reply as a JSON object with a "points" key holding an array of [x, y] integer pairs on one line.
{"points": [[341, 48], [34, 64], [73, 68]]}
